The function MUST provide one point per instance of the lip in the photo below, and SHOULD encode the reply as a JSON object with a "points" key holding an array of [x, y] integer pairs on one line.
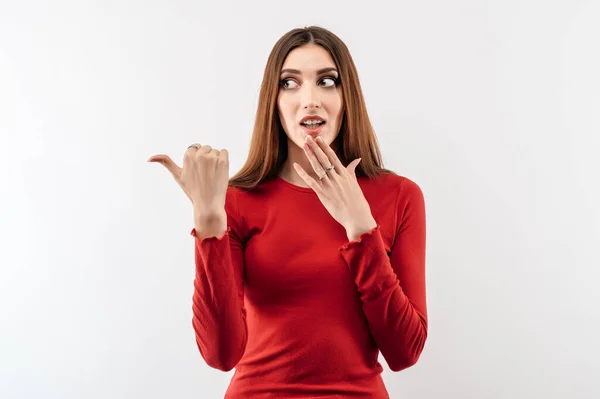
{"points": [[313, 117], [313, 132]]}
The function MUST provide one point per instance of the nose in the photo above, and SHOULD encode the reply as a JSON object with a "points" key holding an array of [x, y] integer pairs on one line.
{"points": [[310, 97]]}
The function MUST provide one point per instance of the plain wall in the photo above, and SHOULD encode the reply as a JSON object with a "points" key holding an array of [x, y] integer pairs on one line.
{"points": [[492, 107]]}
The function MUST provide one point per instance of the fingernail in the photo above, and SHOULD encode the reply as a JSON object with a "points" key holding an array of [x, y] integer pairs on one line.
{"points": [[320, 139]]}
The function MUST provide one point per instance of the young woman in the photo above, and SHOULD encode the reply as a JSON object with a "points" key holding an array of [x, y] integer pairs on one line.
{"points": [[306, 268]]}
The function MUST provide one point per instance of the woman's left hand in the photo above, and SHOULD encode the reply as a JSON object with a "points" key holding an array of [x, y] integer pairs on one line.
{"points": [[338, 190]]}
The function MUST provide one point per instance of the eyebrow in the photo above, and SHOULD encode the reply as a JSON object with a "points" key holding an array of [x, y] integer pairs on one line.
{"points": [[297, 72]]}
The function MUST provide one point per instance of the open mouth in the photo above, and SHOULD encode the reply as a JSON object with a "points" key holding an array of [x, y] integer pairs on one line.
{"points": [[312, 125], [312, 128]]}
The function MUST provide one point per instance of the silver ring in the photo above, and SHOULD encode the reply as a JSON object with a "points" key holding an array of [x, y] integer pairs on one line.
{"points": [[193, 146], [326, 170]]}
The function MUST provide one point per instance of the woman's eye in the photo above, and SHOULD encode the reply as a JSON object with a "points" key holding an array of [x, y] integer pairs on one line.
{"points": [[333, 80], [284, 82]]}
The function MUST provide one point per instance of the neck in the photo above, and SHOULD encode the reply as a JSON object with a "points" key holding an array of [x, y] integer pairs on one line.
{"points": [[289, 173]]}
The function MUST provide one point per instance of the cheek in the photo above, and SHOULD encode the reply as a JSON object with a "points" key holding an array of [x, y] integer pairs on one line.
{"points": [[285, 114], [340, 100], [336, 106], [334, 99], [281, 111], [283, 107]]}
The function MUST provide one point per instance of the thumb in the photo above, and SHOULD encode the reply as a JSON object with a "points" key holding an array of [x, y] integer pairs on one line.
{"points": [[352, 166], [168, 163]]}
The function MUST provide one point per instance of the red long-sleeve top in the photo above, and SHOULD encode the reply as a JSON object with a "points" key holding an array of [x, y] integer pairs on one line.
{"points": [[300, 311]]}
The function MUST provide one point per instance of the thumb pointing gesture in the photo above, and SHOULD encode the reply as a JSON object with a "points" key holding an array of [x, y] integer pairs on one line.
{"points": [[172, 167], [204, 177], [168, 163]]}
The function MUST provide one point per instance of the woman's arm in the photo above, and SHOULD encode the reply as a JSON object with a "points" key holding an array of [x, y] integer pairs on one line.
{"points": [[392, 288], [219, 316]]}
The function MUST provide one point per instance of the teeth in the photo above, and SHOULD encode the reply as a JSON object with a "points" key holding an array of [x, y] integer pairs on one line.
{"points": [[312, 122]]}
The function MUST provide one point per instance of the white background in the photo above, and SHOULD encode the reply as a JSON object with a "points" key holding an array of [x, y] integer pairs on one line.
{"points": [[492, 107]]}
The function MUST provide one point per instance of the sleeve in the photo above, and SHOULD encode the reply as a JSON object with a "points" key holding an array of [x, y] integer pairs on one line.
{"points": [[219, 316], [392, 287]]}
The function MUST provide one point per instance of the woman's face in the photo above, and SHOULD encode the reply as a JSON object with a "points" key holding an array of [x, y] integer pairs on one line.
{"points": [[309, 88]]}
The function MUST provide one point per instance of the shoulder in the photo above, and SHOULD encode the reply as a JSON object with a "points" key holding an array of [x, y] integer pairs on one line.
{"points": [[400, 186], [410, 206], [246, 203], [232, 201], [408, 189], [405, 199], [409, 195]]}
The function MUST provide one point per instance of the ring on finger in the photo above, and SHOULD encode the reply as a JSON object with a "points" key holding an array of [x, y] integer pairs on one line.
{"points": [[330, 167]]}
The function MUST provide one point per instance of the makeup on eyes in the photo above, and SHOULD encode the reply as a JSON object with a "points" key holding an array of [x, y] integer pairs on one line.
{"points": [[320, 72], [335, 80]]}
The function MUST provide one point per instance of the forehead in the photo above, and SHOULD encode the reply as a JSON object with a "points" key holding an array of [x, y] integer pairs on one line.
{"points": [[308, 59]]}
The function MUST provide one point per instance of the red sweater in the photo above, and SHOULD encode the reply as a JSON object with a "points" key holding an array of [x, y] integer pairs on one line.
{"points": [[298, 310]]}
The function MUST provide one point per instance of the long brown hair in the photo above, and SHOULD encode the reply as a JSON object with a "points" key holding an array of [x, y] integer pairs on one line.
{"points": [[269, 144]]}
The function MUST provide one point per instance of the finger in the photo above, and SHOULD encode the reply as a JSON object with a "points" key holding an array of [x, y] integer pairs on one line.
{"points": [[223, 159], [331, 155], [323, 159], [312, 183], [192, 149], [205, 149], [168, 163], [190, 154], [224, 155], [314, 162], [352, 167], [222, 164]]}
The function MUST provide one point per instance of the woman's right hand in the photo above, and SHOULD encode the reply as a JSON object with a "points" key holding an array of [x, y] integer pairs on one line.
{"points": [[204, 178]]}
